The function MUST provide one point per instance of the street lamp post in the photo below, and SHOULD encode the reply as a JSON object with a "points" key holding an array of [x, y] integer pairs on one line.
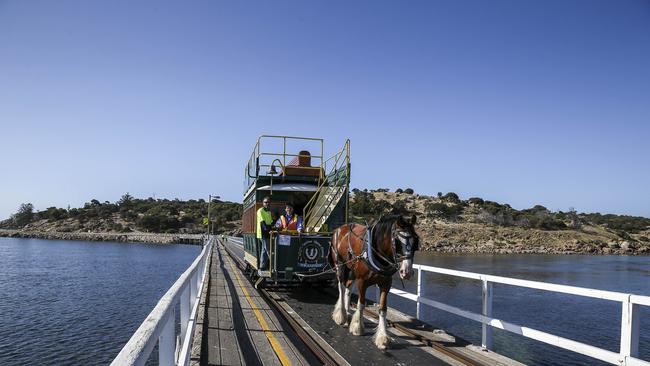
{"points": [[208, 228]]}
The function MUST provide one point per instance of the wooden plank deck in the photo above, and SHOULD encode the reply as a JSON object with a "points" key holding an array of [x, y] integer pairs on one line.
{"points": [[240, 328]]}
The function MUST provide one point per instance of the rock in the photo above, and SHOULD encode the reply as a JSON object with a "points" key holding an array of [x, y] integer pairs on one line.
{"points": [[625, 246], [442, 243], [613, 245]]}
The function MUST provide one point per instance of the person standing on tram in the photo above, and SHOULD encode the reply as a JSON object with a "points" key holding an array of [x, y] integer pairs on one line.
{"points": [[264, 226], [289, 221]]}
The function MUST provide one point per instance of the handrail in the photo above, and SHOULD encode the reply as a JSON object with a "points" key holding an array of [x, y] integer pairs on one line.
{"points": [[159, 326], [629, 347], [309, 206]]}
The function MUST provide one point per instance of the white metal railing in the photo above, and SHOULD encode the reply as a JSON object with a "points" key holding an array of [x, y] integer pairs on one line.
{"points": [[629, 347], [160, 324]]}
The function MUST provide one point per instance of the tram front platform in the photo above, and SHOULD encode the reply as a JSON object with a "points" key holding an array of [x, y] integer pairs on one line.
{"points": [[241, 325]]}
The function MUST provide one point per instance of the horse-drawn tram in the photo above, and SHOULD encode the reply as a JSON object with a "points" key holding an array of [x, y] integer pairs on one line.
{"points": [[288, 238]]}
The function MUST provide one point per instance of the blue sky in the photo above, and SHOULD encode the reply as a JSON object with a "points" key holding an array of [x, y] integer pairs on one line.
{"points": [[522, 102]]}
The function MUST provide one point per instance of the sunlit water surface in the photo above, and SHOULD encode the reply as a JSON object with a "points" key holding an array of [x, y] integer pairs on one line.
{"points": [[78, 303]]}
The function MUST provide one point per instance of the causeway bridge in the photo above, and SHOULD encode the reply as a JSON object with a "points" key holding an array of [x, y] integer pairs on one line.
{"points": [[136, 237], [213, 315]]}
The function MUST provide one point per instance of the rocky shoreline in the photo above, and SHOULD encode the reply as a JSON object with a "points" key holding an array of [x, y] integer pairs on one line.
{"points": [[441, 246], [575, 247], [150, 238]]}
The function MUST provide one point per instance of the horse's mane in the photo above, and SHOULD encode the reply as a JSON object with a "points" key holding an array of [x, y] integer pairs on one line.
{"points": [[383, 226]]}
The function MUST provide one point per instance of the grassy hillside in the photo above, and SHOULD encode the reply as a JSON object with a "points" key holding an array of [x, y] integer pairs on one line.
{"points": [[450, 224], [129, 214]]}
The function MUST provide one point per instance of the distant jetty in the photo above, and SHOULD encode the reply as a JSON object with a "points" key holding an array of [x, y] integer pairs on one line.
{"points": [[153, 238]]}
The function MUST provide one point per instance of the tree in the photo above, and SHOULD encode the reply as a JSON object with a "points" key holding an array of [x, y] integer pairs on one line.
{"points": [[574, 219], [25, 215]]}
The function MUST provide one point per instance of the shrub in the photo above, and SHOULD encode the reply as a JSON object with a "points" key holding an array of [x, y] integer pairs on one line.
{"points": [[409, 191], [366, 206], [451, 197], [441, 210], [150, 222], [631, 224], [475, 201], [399, 207], [54, 213]]}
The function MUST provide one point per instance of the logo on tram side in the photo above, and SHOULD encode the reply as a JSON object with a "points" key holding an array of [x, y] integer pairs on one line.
{"points": [[310, 254]]}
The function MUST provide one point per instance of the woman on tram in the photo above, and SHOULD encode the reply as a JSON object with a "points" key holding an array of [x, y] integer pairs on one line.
{"points": [[289, 221]]}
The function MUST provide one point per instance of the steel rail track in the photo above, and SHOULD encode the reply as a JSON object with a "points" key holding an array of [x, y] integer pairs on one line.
{"points": [[455, 355], [433, 344], [275, 301]]}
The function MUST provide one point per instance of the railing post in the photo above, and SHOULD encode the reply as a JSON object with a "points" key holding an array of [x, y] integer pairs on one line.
{"points": [[167, 341], [630, 329], [486, 339], [193, 287], [186, 308], [419, 293]]}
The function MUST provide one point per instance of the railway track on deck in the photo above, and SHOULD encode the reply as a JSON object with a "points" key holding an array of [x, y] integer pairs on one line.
{"points": [[325, 354]]}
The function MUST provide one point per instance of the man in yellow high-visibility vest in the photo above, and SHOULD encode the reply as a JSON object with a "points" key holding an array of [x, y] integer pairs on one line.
{"points": [[263, 229]]}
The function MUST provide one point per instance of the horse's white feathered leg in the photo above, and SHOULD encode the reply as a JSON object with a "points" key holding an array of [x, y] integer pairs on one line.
{"points": [[348, 294], [381, 338], [356, 325], [339, 315]]}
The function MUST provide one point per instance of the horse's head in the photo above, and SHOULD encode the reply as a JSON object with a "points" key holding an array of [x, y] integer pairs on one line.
{"points": [[407, 242]]}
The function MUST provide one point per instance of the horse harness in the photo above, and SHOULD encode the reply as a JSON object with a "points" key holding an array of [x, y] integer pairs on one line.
{"points": [[369, 254]]}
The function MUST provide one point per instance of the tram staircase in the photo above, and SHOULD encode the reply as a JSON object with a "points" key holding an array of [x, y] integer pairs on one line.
{"points": [[330, 192]]}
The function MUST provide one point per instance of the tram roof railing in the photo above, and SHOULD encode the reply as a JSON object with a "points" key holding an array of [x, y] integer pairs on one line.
{"points": [[257, 164], [630, 313]]}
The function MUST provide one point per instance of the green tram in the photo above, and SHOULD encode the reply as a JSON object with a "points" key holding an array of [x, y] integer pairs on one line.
{"points": [[293, 170]]}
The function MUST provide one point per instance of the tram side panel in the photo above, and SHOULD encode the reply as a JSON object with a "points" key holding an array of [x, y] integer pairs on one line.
{"points": [[251, 246]]}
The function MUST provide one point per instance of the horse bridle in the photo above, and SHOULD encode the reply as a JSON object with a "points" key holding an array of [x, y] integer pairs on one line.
{"points": [[409, 246]]}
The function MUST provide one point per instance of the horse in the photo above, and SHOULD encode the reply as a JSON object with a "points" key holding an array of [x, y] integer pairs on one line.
{"points": [[370, 255]]}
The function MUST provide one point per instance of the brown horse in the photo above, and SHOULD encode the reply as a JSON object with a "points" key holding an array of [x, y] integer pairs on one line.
{"points": [[370, 255]]}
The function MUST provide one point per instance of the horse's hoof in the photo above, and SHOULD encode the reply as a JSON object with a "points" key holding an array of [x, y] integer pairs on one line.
{"points": [[339, 317], [356, 326], [339, 320], [382, 341], [357, 331]]}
